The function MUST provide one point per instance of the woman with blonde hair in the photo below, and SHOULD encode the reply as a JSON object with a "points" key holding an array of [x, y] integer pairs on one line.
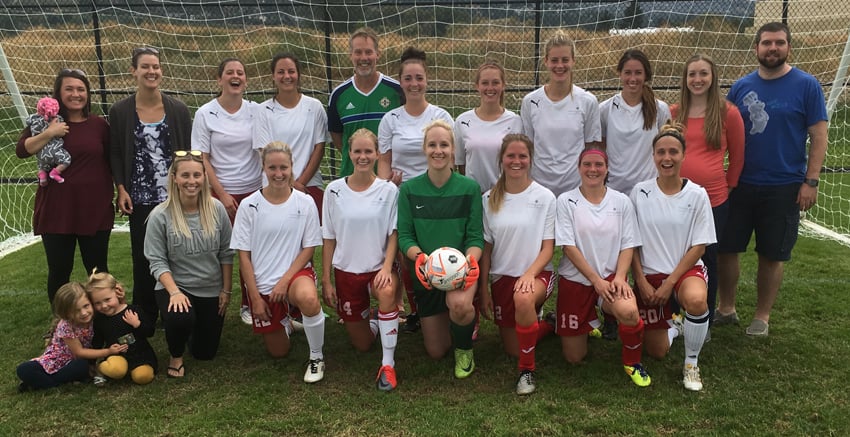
{"points": [[188, 247], [276, 234], [360, 247], [714, 131], [441, 208], [560, 118], [519, 240], [479, 131]]}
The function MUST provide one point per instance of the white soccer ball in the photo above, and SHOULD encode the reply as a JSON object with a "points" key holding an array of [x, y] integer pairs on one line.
{"points": [[446, 269]]}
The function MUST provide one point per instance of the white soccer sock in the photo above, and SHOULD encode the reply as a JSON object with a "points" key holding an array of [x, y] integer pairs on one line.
{"points": [[696, 328], [314, 330], [672, 333], [374, 327], [388, 324]]}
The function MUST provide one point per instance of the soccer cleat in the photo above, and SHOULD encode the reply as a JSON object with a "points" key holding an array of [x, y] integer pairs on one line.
{"points": [[245, 315], [464, 363], [315, 370], [595, 333], [691, 379], [678, 322], [296, 325], [638, 374], [411, 325], [525, 384], [609, 330], [386, 378]]}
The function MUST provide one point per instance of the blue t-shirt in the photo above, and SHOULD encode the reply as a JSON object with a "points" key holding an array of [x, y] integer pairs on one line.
{"points": [[777, 114]]}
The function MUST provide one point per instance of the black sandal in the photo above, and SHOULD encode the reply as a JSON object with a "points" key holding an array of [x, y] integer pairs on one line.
{"points": [[176, 370]]}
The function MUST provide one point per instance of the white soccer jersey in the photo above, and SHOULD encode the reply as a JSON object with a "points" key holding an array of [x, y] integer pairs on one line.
{"points": [[599, 232], [518, 229], [477, 144], [275, 234], [404, 134], [302, 127], [670, 225], [559, 131], [629, 146], [360, 223], [228, 140]]}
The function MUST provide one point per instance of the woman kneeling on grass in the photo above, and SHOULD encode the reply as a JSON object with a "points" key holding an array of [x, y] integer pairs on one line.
{"points": [[519, 239], [597, 228], [276, 232], [441, 208], [187, 244], [675, 224], [360, 242]]}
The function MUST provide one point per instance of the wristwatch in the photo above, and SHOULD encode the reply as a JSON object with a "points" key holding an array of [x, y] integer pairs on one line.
{"points": [[811, 182]]}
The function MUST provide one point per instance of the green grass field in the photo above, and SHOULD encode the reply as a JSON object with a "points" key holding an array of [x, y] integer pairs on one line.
{"points": [[792, 383]]}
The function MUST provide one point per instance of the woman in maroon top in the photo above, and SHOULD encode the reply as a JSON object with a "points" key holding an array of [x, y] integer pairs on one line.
{"points": [[80, 209]]}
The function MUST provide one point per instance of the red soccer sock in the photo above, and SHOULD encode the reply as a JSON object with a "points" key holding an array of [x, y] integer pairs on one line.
{"points": [[527, 339], [544, 329], [632, 338]]}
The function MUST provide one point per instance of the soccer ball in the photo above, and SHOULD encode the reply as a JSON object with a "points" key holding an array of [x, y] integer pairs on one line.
{"points": [[446, 269]]}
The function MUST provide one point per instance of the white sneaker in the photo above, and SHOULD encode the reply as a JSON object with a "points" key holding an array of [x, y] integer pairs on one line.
{"points": [[245, 314], [525, 385], [691, 379], [315, 370], [296, 325]]}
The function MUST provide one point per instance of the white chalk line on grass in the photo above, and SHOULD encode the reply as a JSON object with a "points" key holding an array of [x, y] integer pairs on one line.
{"points": [[15, 244]]}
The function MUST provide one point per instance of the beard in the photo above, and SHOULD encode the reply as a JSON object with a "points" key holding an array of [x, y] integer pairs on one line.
{"points": [[772, 63]]}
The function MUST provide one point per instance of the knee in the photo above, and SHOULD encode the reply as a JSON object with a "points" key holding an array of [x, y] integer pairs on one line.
{"points": [[573, 357], [114, 367], [385, 295], [629, 317], [524, 303], [460, 309], [362, 345], [436, 352], [695, 305], [142, 375], [657, 351]]}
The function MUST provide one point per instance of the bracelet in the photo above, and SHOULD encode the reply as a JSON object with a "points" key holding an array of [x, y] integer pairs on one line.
{"points": [[226, 292], [174, 294]]}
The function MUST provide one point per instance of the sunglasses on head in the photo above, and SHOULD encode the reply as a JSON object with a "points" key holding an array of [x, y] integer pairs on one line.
{"points": [[145, 51], [194, 154], [76, 71]]}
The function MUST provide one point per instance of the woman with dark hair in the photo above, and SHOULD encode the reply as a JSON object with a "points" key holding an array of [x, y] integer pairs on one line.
{"points": [[80, 210], [222, 131], [297, 120], [675, 224], [147, 127], [630, 120], [400, 136]]}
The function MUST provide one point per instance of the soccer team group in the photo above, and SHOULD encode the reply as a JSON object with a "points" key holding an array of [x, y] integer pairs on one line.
{"points": [[629, 188]]}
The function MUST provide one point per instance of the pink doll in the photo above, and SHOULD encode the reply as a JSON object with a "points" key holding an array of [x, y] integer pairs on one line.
{"points": [[53, 159]]}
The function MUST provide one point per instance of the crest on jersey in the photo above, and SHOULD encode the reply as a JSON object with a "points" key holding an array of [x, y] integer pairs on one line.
{"points": [[385, 103]]}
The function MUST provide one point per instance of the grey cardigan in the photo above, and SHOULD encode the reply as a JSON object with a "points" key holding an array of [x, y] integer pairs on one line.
{"points": [[122, 123]]}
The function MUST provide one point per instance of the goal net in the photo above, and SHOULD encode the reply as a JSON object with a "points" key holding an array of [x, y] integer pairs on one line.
{"points": [[40, 37]]}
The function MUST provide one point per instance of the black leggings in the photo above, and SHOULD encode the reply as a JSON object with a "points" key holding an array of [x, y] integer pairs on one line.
{"points": [[35, 377], [60, 248], [143, 281], [200, 327]]}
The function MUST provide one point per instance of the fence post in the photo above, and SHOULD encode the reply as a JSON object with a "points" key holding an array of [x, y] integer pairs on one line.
{"points": [[98, 49]]}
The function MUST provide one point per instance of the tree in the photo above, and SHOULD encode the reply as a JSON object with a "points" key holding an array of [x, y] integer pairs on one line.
{"points": [[633, 17]]}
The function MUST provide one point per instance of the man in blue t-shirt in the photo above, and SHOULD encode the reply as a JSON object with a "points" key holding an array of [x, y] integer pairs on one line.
{"points": [[782, 107]]}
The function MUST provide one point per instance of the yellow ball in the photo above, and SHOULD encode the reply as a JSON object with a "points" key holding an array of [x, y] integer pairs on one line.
{"points": [[114, 367]]}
